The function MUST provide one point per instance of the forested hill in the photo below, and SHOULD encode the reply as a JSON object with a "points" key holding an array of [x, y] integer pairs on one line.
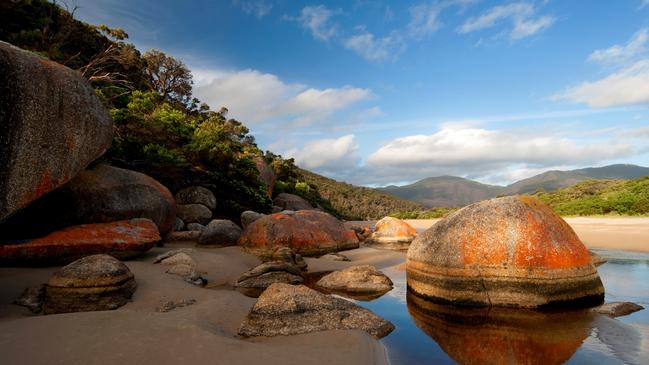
{"points": [[355, 202]]}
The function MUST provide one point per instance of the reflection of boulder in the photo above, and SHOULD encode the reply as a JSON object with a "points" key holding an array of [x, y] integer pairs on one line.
{"points": [[501, 335], [512, 251]]}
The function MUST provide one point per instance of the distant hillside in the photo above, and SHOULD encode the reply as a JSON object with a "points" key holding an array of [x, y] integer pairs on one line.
{"points": [[354, 202], [444, 191], [596, 197], [450, 191]]}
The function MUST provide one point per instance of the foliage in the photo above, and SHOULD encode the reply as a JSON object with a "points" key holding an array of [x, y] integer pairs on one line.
{"points": [[601, 197], [424, 214]]}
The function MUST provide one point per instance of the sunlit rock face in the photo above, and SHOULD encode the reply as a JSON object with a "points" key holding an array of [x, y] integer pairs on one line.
{"points": [[392, 233], [511, 251], [502, 335]]}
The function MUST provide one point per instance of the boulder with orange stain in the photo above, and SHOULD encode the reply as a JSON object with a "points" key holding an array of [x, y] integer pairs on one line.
{"points": [[511, 251], [52, 125], [392, 233], [307, 232], [123, 240]]}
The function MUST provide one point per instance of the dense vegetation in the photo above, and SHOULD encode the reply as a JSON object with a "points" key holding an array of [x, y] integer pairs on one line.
{"points": [[354, 202], [601, 197], [424, 214]]}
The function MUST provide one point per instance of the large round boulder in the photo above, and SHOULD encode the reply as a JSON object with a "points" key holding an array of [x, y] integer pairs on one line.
{"points": [[220, 232], [291, 202], [52, 125], [306, 232], [123, 239], [93, 283], [392, 233], [194, 213], [512, 251], [196, 195]]}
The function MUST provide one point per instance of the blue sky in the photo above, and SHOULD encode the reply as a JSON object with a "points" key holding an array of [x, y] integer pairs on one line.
{"points": [[382, 92]]}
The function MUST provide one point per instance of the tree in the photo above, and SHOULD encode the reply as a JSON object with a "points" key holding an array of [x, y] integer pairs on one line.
{"points": [[168, 76]]}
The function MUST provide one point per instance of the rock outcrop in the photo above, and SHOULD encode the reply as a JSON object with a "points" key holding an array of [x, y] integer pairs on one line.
{"points": [[362, 279], [512, 251], [392, 233], [194, 213], [291, 202], [285, 309], [52, 125], [266, 174], [307, 232], [618, 309], [196, 195], [253, 282], [220, 232], [93, 283], [123, 239]]}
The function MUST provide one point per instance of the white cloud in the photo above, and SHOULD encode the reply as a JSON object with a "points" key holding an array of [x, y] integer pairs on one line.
{"points": [[258, 8], [254, 97], [476, 153], [522, 15], [316, 19], [620, 54], [628, 86], [374, 48], [327, 155], [424, 19]]}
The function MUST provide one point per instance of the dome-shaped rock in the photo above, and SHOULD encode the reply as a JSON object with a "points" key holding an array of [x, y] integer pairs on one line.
{"points": [[196, 195], [511, 251], [220, 232], [307, 232], [97, 282], [194, 213], [392, 233]]}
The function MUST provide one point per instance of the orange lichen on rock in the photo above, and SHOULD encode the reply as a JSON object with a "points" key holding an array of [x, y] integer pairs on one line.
{"points": [[511, 251], [122, 239], [307, 232], [392, 233]]}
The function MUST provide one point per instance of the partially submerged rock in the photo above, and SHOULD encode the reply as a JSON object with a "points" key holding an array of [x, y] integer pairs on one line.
{"points": [[288, 310], [123, 239], [334, 257], [93, 283], [52, 125], [392, 233], [291, 202], [220, 232], [307, 232], [362, 279], [597, 259], [196, 195], [194, 213], [512, 251], [617, 309], [181, 264]]}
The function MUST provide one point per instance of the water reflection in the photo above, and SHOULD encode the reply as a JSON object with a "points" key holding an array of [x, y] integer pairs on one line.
{"points": [[500, 335]]}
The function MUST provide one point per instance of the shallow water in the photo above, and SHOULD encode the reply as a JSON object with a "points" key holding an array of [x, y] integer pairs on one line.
{"points": [[430, 334]]}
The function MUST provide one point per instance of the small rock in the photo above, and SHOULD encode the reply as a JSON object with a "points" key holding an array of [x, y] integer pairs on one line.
{"points": [[363, 279], [285, 254], [170, 253], [220, 232], [248, 217], [195, 227], [181, 264], [179, 225], [179, 258], [170, 305], [32, 298], [253, 282], [183, 236], [597, 259], [334, 257], [617, 309], [284, 309], [194, 213], [392, 233], [196, 195], [93, 283]]}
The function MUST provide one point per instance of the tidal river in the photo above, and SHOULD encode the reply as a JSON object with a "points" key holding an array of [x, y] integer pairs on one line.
{"points": [[429, 334]]}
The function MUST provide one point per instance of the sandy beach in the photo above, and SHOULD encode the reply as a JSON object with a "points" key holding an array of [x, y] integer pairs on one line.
{"points": [[203, 333], [612, 233]]}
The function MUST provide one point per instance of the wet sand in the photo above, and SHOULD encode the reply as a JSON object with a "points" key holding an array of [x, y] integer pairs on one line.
{"points": [[203, 333], [611, 233]]}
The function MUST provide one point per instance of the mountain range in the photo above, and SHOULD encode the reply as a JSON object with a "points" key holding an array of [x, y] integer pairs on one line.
{"points": [[453, 191]]}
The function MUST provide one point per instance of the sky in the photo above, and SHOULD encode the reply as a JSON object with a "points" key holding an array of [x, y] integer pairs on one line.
{"points": [[389, 92]]}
